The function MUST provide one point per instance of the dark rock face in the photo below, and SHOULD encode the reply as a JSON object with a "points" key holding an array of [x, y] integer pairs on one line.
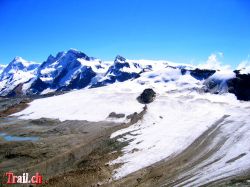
{"points": [[64, 67], [200, 74], [183, 71], [38, 86], [119, 58], [67, 73], [115, 72], [240, 86], [81, 80], [16, 91], [147, 96], [121, 77], [215, 86]]}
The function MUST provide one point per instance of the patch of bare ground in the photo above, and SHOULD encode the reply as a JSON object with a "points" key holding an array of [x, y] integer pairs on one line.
{"points": [[94, 169], [69, 153], [17, 107], [61, 147]]}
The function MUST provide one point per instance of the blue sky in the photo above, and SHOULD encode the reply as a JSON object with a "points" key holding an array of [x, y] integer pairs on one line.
{"points": [[178, 30]]}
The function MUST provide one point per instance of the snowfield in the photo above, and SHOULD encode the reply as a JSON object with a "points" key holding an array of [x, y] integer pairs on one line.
{"points": [[97, 103], [173, 122], [89, 104], [177, 117], [169, 126]]}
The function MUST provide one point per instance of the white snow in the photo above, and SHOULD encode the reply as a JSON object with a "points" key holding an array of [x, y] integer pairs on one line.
{"points": [[223, 75], [22, 61], [48, 90], [96, 104], [2, 68], [17, 78], [159, 64], [236, 131], [94, 64], [46, 79], [174, 121], [131, 69], [89, 104], [47, 70], [244, 67], [17, 72], [169, 126]]}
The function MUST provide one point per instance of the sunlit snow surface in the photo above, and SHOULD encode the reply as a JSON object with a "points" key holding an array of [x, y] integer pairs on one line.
{"points": [[173, 122], [16, 73], [179, 115], [90, 104], [2, 68]]}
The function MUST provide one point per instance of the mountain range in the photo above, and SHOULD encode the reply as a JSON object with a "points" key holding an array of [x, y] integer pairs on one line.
{"points": [[75, 70]]}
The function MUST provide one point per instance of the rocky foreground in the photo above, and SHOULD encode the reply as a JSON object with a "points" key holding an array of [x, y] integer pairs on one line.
{"points": [[57, 149], [80, 152]]}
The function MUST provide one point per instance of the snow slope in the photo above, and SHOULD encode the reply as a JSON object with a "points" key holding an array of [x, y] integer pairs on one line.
{"points": [[233, 157], [173, 122], [1, 68], [179, 115], [88, 104], [17, 72], [97, 103]]}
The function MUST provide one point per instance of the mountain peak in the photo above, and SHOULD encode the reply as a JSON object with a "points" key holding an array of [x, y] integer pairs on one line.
{"points": [[2, 68], [50, 57], [119, 59], [72, 50], [18, 63], [74, 53], [18, 59]]}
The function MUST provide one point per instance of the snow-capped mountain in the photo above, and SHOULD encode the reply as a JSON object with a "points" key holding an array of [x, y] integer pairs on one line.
{"points": [[67, 70], [121, 70], [75, 70], [2, 68], [15, 74]]}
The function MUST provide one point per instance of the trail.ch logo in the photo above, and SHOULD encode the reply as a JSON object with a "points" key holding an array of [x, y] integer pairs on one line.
{"points": [[11, 178]]}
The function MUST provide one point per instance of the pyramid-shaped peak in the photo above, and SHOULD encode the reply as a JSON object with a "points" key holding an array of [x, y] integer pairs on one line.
{"points": [[72, 50], [18, 59], [119, 58]]}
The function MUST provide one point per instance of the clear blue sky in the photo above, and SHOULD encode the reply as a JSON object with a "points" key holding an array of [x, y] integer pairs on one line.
{"points": [[177, 30]]}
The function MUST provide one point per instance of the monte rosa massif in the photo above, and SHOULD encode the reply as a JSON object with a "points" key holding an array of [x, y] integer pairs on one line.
{"points": [[73, 69]]}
